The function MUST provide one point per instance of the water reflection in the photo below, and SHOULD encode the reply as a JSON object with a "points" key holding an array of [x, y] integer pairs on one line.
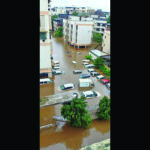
{"points": [[72, 137]]}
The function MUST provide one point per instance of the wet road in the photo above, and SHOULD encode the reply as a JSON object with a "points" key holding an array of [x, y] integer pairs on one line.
{"points": [[54, 138]]}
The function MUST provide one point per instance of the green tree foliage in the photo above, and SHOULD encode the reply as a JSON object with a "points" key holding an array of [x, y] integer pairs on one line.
{"points": [[108, 19], [97, 37], [105, 70], [103, 112], [59, 32], [75, 13], [99, 62], [76, 113], [89, 57]]}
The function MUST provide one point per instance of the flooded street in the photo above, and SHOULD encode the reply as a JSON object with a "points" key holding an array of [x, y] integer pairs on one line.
{"points": [[65, 137]]}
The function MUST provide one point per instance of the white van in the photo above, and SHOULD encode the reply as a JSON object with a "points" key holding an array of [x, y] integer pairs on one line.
{"points": [[45, 81], [86, 83]]}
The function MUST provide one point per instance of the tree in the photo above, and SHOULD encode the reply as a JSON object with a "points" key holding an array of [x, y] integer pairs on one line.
{"points": [[103, 112], [52, 18], [76, 113], [97, 37], [75, 13], [59, 32], [99, 62], [108, 19], [89, 57]]}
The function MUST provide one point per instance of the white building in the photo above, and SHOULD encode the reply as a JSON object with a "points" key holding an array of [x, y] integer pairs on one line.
{"points": [[99, 26], [78, 31], [45, 41], [106, 41]]}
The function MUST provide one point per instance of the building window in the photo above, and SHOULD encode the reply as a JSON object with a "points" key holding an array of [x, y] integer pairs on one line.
{"points": [[98, 24], [43, 36]]}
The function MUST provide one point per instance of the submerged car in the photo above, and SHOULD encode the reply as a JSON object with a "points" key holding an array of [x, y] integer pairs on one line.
{"points": [[94, 74], [56, 62], [90, 94], [104, 81], [89, 66], [45, 81], [67, 86], [84, 76], [108, 85], [56, 67], [91, 70], [100, 77], [85, 63], [77, 71], [85, 60], [56, 72]]}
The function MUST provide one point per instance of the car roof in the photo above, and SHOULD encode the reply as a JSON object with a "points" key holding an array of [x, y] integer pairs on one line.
{"points": [[85, 75], [88, 92], [99, 76], [46, 79], [106, 80], [68, 85]]}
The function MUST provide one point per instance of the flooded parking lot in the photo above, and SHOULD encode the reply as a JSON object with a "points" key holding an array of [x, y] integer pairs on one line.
{"points": [[63, 136]]}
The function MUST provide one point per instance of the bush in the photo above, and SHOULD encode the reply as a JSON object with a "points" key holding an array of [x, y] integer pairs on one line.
{"points": [[103, 112], [97, 37], [89, 57], [76, 113], [99, 62]]}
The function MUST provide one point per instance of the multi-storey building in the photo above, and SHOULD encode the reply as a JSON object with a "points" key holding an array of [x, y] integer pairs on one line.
{"points": [[58, 22], [106, 40], [99, 26], [45, 39], [78, 31]]}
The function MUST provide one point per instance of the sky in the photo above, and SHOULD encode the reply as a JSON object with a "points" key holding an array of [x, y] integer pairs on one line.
{"points": [[96, 4]]}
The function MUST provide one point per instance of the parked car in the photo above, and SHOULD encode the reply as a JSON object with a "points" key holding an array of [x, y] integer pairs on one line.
{"points": [[74, 62], [56, 62], [56, 65], [90, 94], [85, 60], [94, 74], [44, 74], [84, 76], [85, 63], [89, 66], [100, 77], [108, 85], [86, 83], [45, 81], [56, 68], [104, 81], [91, 70], [77, 71], [56, 72], [67, 86]]}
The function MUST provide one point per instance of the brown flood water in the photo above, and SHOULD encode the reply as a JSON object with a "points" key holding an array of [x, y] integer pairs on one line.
{"points": [[63, 136]]}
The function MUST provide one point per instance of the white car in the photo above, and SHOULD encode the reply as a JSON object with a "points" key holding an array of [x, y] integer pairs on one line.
{"points": [[56, 62], [56, 67], [89, 66], [100, 77], [91, 70], [85, 60], [74, 62], [90, 94], [85, 64], [67, 86]]}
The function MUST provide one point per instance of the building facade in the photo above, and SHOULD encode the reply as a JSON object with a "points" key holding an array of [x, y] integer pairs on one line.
{"points": [[99, 26], [45, 38], [106, 40], [78, 31]]}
